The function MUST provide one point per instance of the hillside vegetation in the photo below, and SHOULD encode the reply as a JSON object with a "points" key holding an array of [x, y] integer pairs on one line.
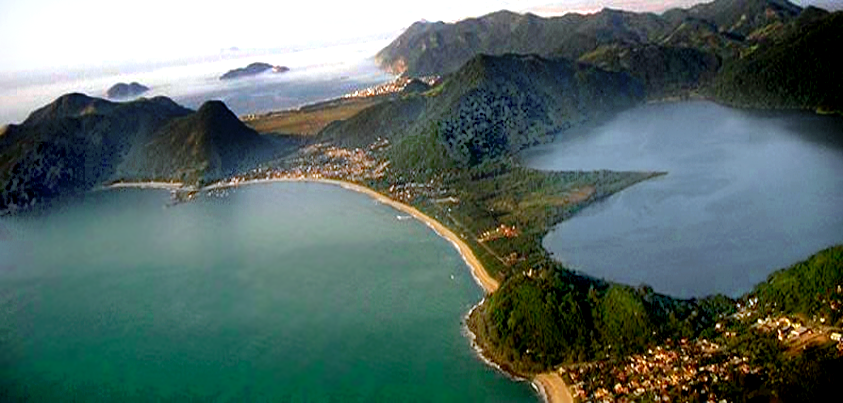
{"points": [[510, 82], [493, 107], [750, 53], [535, 323], [77, 143], [720, 27], [796, 70], [813, 288]]}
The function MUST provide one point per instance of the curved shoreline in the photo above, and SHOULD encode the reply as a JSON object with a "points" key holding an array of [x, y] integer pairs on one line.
{"points": [[487, 282], [553, 388], [549, 386], [144, 185]]}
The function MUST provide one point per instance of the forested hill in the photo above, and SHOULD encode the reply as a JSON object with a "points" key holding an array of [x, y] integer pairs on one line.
{"points": [[533, 323], [78, 142], [751, 53], [210, 144], [795, 69], [813, 288], [720, 27], [491, 108]]}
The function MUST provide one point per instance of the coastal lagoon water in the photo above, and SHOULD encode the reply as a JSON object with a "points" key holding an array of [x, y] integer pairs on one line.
{"points": [[315, 75], [281, 292], [746, 193]]}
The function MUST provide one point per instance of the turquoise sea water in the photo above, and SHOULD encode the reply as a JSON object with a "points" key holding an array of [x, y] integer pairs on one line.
{"points": [[282, 292]]}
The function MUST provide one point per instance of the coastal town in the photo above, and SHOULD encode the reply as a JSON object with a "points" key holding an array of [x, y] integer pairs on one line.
{"points": [[326, 161], [683, 367], [694, 368], [392, 87]]}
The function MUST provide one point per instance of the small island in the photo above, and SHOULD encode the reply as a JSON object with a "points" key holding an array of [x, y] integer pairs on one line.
{"points": [[123, 90], [252, 70]]}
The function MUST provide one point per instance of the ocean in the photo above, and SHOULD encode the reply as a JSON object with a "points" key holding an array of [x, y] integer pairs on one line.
{"points": [[276, 292]]}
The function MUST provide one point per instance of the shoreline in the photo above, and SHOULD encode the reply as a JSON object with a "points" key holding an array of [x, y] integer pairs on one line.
{"points": [[549, 386], [478, 272], [145, 185], [486, 360], [553, 388], [481, 277]]}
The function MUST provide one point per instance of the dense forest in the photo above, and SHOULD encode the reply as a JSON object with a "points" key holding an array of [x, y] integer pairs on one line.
{"points": [[753, 53], [813, 288], [559, 317]]}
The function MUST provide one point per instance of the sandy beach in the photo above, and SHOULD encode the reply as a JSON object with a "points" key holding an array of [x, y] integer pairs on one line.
{"points": [[145, 185], [552, 388], [486, 281]]}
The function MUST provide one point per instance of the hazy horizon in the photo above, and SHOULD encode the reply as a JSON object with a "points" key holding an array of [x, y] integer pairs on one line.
{"points": [[316, 74], [91, 35]]}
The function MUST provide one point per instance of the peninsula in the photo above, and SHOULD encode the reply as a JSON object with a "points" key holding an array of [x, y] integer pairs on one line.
{"points": [[447, 152]]}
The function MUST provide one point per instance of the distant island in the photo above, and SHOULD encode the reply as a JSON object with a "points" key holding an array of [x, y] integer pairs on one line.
{"points": [[123, 90], [252, 70]]}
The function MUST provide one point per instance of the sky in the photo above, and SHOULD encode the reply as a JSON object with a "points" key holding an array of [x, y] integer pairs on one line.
{"points": [[38, 35]]}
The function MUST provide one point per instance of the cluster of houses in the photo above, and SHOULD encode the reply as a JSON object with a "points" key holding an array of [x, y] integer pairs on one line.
{"points": [[391, 87], [501, 231], [322, 161], [785, 328], [657, 375]]}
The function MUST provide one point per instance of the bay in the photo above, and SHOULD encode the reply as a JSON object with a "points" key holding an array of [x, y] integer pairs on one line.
{"points": [[282, 292]]}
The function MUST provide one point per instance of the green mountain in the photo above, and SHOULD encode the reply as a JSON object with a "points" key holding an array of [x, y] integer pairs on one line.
{"points": [[754, 53], [720, 27], [738, 17], [663, 70], [438, 48], [607, 27], [705, 36], [795, 68], [531, 324], [813, 288], [492, 107], [74, 143], [209, 144], [78, 142], [495, 106]]}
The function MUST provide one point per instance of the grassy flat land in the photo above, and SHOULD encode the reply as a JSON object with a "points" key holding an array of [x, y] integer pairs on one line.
{"points": [[309, 120]]}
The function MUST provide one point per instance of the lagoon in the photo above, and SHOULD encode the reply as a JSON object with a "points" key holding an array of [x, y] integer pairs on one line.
{"points": [[745, 193]]}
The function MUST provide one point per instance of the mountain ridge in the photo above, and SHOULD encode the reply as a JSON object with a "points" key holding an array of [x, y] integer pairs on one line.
{"points": [[79, 142], [490, 109], [440, 48], [729, 51]]}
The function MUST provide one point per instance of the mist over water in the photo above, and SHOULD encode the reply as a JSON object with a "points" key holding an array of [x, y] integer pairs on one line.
{"points": [[315, 75], [282, 292], [746, 194]]}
